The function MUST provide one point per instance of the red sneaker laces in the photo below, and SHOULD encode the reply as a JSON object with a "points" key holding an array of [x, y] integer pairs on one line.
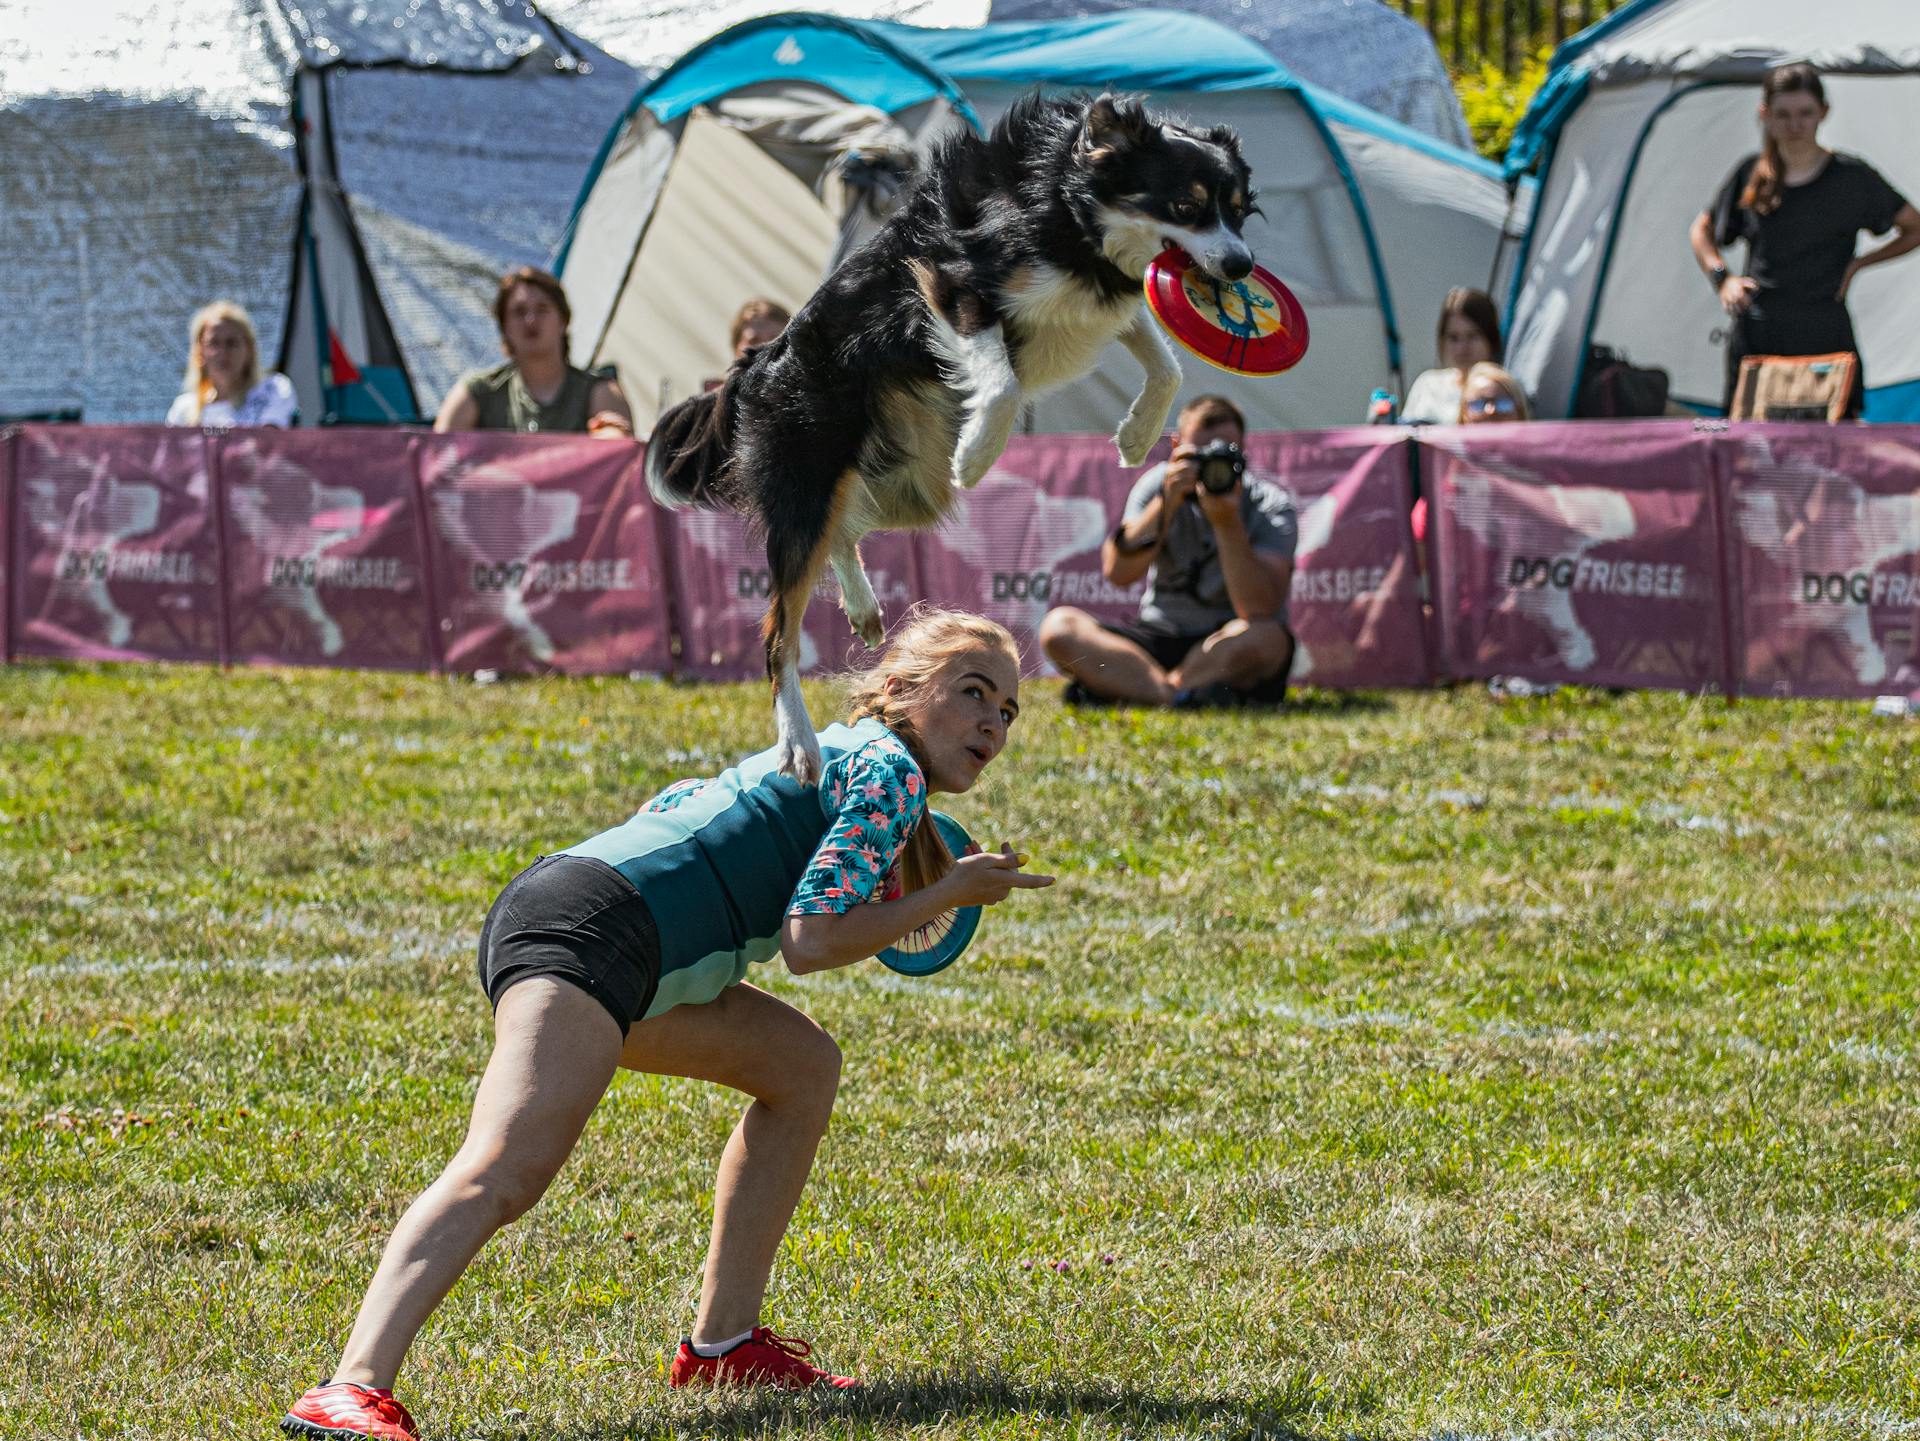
{"points": [[387, 1407], [792, 1345]]}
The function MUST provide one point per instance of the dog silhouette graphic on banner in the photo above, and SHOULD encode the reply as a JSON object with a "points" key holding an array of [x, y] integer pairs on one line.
{"points": [[1530, 516], [498, 523], [90, 512], [293, 520]]}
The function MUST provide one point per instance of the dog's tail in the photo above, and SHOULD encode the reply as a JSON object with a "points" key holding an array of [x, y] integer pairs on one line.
{"points": [[692, 449]]}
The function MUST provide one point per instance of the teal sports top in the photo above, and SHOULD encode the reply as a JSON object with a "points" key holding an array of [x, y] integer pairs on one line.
{"points": [[722, 862]]}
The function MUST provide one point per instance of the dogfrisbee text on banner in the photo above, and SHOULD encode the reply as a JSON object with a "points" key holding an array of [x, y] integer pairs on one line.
{"points": [[1823, 526], [1577, 553]]}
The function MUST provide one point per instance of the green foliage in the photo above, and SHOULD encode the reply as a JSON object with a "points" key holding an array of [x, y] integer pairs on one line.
{"points": [[1494, 101], [1426, 1065]]}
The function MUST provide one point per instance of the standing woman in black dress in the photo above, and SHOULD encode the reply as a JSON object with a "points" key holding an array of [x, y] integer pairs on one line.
{"points": [[1800, 207]]}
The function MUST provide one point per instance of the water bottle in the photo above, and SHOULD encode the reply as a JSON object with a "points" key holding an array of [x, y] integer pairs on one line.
{"points": [[1382, 408]]}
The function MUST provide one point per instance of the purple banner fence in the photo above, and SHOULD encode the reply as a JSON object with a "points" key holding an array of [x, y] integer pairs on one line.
{"points": [[1355, 606], [323, 551], [1746, 559], [1823, 537], [1574, 554], [721, 585]]}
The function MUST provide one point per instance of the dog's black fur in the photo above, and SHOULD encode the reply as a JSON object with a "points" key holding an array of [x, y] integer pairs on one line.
{"points": [[871, 405]]}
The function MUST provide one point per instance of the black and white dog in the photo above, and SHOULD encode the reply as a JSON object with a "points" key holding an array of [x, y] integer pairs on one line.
{"points": [[1009, 266]]}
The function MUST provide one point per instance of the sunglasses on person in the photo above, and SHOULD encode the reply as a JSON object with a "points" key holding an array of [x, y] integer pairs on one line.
{"points": [[1493, 405]]}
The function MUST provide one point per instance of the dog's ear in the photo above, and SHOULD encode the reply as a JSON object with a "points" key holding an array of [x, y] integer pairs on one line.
{"points": [[1113, 123], [1226, 139]]}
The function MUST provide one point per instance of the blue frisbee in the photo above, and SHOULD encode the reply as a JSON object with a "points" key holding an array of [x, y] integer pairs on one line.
{"points": [[940, 942]]}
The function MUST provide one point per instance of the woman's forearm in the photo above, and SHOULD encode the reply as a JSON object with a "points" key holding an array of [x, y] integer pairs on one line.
{"points": [[827, 942]]}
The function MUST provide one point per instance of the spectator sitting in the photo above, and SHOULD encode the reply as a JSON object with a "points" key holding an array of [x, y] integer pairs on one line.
{"points": [[1212, 628], [535, 389], [1469, 334], [1491, 394], [223, 384], [757, 322]]}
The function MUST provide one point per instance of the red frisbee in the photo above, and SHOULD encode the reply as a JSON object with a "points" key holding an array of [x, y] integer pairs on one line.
{"points": [[1252, 326]]}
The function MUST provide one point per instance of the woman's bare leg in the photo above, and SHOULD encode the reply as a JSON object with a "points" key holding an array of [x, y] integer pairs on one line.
{"points": [[757, 1044], [554, 1051]]}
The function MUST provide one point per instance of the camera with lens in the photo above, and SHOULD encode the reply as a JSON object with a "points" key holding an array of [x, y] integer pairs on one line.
{"points": [[1220, 464]]}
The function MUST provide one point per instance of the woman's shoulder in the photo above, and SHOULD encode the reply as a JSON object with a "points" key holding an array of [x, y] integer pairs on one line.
{"points": [[867, 753], [487, 379], [184, 410]]}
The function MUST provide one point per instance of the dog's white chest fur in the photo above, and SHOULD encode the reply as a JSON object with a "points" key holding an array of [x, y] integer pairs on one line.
{"points": [[1061, 324]]}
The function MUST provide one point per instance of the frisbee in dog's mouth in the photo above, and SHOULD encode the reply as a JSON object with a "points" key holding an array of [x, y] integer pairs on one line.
{"points": [[1251, 326]]}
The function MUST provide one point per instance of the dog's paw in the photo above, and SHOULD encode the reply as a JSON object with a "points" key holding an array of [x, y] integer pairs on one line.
{"points": [[799, 759], [970, 468], [1135, 438]]}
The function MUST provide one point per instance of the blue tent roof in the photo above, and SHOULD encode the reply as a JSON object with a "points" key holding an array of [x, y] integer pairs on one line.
{"points": [[892, 66]]}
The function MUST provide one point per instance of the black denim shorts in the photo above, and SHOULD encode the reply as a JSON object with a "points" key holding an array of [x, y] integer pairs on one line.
{"points": [[580, 920]]}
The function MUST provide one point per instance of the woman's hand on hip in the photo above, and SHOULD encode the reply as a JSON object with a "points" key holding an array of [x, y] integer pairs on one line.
{"points": [[1737, 293], [990, 877]]}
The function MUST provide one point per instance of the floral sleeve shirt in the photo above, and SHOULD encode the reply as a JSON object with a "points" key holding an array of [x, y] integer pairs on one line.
{"points": [[874, 796]]}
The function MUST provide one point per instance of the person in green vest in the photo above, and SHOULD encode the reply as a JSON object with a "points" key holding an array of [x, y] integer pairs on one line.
{"points": [[535, 389]]}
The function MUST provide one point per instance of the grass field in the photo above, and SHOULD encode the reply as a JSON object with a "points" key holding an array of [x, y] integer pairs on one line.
{"points": [[1409, 1067]]}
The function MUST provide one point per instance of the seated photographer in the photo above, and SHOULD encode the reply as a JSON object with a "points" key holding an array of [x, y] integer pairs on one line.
{"points": [[1216, 547]]}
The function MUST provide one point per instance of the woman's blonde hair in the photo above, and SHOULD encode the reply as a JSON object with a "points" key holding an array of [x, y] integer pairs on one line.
{"points": [[917, 653], [195, 382], [1502, 377]]}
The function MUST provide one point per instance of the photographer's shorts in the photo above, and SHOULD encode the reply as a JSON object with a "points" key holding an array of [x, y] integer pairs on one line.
{"points": [[1169, 648], [581, 921]]}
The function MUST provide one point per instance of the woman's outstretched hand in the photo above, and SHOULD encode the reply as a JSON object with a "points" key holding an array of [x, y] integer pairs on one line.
{"points": [[988, 878]]}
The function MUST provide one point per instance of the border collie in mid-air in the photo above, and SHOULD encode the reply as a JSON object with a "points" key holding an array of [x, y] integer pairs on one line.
{"points": [[1009, 266]]}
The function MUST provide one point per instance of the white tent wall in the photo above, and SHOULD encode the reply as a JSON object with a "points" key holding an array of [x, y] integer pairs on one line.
{"points": [[699, 260], [1437, 225]]}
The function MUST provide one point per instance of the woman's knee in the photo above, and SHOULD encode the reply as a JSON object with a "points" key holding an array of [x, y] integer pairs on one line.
{"points": [[1058, 627], [503, 1189], [811, 1072]]}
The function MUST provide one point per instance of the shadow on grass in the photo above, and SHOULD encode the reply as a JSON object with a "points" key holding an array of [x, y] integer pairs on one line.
{"points": [[926, 1400]]}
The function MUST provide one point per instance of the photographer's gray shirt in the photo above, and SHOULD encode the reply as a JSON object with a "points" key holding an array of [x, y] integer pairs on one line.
{"points": [[1186, 590]]}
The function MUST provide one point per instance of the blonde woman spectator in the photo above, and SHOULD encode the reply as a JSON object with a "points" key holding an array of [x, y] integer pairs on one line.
{"points": [[223, 384], [1491, 394]]}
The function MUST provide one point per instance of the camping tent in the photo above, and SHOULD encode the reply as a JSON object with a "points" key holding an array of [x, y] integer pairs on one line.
{"points": [[1641, 119], [746, 167], [1356, 48], [355, 172]]}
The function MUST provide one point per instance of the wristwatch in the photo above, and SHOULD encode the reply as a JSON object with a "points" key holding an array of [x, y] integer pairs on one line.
{"points": [[1718, 275], [1126, 547]]}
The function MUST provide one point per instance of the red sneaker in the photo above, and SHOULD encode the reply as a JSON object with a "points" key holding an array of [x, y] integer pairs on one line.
{"points": [[339, 1410], [763, 1359]]}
